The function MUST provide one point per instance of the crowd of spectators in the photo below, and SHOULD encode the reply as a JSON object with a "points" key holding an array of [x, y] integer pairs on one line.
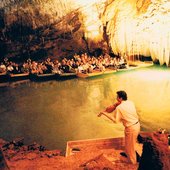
{"points": [[78, 63]]}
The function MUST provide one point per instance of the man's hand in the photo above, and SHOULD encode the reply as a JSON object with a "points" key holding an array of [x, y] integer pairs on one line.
{"points": [[100, 114], [107, 115]]}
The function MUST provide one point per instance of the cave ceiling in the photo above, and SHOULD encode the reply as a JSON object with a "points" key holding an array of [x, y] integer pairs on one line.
{"points": [[57, 28]]}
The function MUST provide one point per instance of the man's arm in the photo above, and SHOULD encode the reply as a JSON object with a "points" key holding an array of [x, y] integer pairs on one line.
{"points": [[112, 107], [109, 110]]}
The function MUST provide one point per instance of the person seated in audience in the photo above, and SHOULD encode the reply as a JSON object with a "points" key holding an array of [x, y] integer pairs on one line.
{"points": [[80, 68], [90, 69], [122, 63], [2, 68], [33, 67], [10, 67], [78, 63], [64, 67], [26, 67], [56, 66]]}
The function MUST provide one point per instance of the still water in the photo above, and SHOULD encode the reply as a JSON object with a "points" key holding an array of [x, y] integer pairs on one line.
{"points": [[54, 112]]}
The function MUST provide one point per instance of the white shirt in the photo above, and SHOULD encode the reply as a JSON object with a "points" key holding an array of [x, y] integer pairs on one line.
{"points": [[126, 113]]}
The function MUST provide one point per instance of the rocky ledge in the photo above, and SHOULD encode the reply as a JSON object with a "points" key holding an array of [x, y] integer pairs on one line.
{"points": [[153, 149]]}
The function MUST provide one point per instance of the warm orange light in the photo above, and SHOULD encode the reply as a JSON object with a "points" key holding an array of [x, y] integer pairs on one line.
{"points": [[131, 29], [136, 33], [154, 75], [92, 23]]}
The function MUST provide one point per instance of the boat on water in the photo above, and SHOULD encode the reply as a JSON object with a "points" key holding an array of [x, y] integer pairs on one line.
{"points": [[64, 76], [116, 143], [42, 77], [109, 71], [86, 75], [4, 77], [136, 65], [96, 73], [103, 143], [18, 76], [3, 74]]}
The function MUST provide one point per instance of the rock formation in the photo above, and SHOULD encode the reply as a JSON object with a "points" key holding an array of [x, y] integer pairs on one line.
{"points": [[156, 154], [40, 28]]}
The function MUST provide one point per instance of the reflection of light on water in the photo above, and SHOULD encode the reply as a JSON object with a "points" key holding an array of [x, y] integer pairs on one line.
{"points": [[151, 95], [153, 75], [94, 93], [67, 110]]}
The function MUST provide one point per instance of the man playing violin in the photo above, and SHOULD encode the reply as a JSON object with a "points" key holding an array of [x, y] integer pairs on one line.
{"points": [[125, 112]]}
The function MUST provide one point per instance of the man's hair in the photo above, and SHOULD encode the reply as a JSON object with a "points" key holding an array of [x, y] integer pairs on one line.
{"points": [[122, 94]]}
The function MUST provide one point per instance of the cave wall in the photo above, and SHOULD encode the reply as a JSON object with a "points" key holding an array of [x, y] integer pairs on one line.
{"points": [[60, 28], [37, 29]]}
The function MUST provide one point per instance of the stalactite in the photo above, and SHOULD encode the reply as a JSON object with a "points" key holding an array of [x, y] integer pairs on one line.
{"points": [[133, 27], [140, 33]]}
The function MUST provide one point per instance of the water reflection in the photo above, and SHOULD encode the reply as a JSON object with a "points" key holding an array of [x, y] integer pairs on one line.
{"points": [[54, 112]]}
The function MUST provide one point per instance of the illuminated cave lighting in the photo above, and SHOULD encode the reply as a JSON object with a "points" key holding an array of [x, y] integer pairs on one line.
{"points": [[141, 34], [154, 76], [91, 9], [133, 27], [130, 32], [92, 24]]}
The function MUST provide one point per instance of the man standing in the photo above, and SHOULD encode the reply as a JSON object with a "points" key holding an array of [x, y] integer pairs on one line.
{"points": [[125, 112]]}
